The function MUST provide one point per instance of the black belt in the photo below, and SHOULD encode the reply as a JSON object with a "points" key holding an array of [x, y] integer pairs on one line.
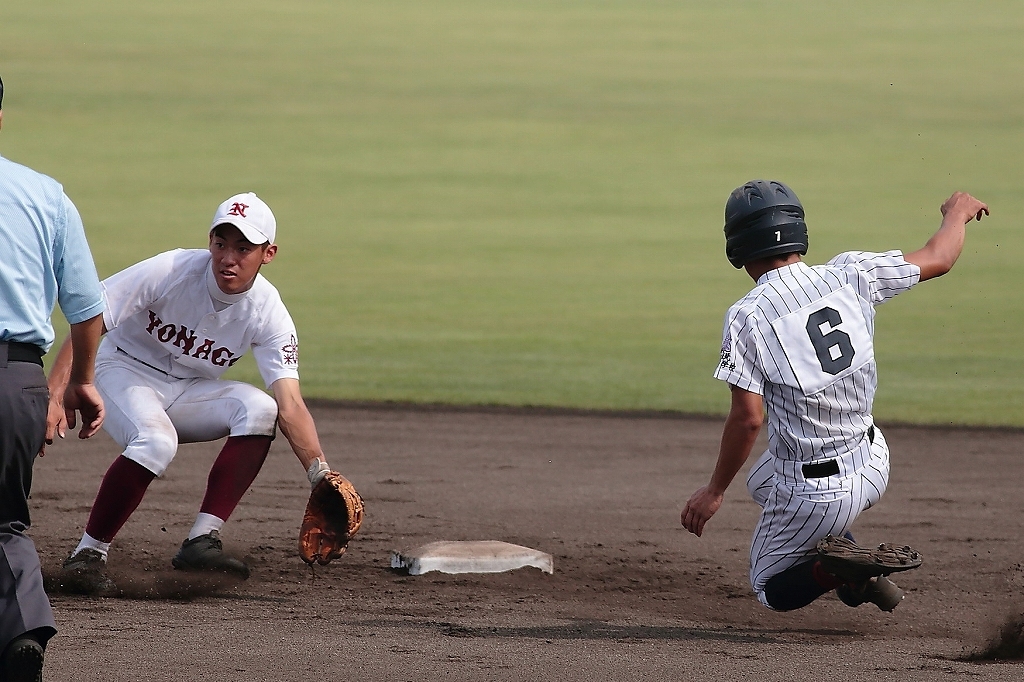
{"points": [[830, 467], [23, 352]]}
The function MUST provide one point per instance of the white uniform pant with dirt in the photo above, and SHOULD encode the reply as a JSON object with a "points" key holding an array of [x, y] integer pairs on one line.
{"points": [[150, 412], [796, 517]]}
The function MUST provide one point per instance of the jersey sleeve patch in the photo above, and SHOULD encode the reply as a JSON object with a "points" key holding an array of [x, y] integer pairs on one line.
{"points": [[738, 358], [290, 352], [725, 355], [277, 357]]}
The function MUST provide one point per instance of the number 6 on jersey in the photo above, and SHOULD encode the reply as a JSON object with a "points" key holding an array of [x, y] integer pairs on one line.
{"points": [[827, 340]]}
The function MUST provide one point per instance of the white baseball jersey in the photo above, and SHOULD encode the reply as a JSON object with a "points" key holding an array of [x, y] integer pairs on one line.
{"points": [[803, 339], [172, 334], [164, 312]]}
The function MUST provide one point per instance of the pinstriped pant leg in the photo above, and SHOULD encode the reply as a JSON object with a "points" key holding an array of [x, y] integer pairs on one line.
{"points": [[789, 530], [872, 480], [761, 478], [792, 522]]}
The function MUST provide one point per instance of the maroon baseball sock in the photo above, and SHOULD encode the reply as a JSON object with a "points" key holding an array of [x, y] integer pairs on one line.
{"points": [[119, 495], [234, 471], [824, 578]]}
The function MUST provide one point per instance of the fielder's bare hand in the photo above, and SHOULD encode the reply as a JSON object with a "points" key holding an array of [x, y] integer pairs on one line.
{"points": [[60, 415], [962, 206], [86, 399]]}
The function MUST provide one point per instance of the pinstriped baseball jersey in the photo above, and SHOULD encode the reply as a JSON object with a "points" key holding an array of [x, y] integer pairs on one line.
{"points": [[802, 338]]}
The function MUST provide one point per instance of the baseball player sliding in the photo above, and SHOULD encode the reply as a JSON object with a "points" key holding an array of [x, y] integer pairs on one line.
{"points": [[174, 323], [801, 345]]}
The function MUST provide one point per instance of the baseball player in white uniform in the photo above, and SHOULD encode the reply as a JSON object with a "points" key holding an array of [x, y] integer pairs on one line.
{"points": [[174, 323], [801, 345]]}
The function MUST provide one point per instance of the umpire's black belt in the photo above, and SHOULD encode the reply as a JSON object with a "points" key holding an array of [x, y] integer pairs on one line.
{"points": [[23, 352], [830, 467]]}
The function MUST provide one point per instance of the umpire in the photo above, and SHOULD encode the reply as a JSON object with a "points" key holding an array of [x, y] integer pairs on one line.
{"points": [[46, 261]]}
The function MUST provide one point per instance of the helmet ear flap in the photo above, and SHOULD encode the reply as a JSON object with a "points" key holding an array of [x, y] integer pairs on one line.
{"points": [[763, 218]]}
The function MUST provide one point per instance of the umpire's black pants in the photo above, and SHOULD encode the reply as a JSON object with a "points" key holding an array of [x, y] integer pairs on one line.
{"points": [[23, 405]]}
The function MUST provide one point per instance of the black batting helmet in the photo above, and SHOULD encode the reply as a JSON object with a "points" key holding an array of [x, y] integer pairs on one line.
{"points": [[763, 218]]}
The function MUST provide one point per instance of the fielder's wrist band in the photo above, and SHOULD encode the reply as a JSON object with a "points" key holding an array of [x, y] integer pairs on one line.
{"points": [[316, 472]]}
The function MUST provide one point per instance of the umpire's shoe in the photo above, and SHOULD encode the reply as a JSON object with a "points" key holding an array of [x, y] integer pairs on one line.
{"points": [[851, 563], [206, 553], [85, 572], [23, 661]]}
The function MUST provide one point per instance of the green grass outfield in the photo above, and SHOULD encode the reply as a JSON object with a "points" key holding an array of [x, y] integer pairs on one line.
{"points": [[521, 203]]}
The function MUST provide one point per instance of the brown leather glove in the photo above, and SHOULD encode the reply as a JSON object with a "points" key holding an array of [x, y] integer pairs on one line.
{"points": [[333, 515]]}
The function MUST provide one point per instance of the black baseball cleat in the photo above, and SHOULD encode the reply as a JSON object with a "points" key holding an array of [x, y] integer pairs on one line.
{"points": [[879, 591], [206, 553], [852, 563], [85, 572], [23, 661]]}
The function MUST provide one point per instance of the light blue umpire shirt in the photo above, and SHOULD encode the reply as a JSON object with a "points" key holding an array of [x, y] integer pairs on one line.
{"points": [[44, 258]]}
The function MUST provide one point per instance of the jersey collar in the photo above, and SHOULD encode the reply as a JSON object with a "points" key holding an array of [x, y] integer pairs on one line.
{"points": [[784, 271], [218, 295]]}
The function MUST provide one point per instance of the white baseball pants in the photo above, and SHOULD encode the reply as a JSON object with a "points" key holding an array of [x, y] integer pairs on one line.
{"points": [[149, 412]]}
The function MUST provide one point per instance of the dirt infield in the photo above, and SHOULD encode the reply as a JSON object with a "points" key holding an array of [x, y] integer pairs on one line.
{"points": [[633, 595]]}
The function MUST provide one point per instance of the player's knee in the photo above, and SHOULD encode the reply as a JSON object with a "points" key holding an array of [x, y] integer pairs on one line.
{"points": [[257, 416], [163, 444], [154, 447], [778, 599], [264, 413], [792, 589]]}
